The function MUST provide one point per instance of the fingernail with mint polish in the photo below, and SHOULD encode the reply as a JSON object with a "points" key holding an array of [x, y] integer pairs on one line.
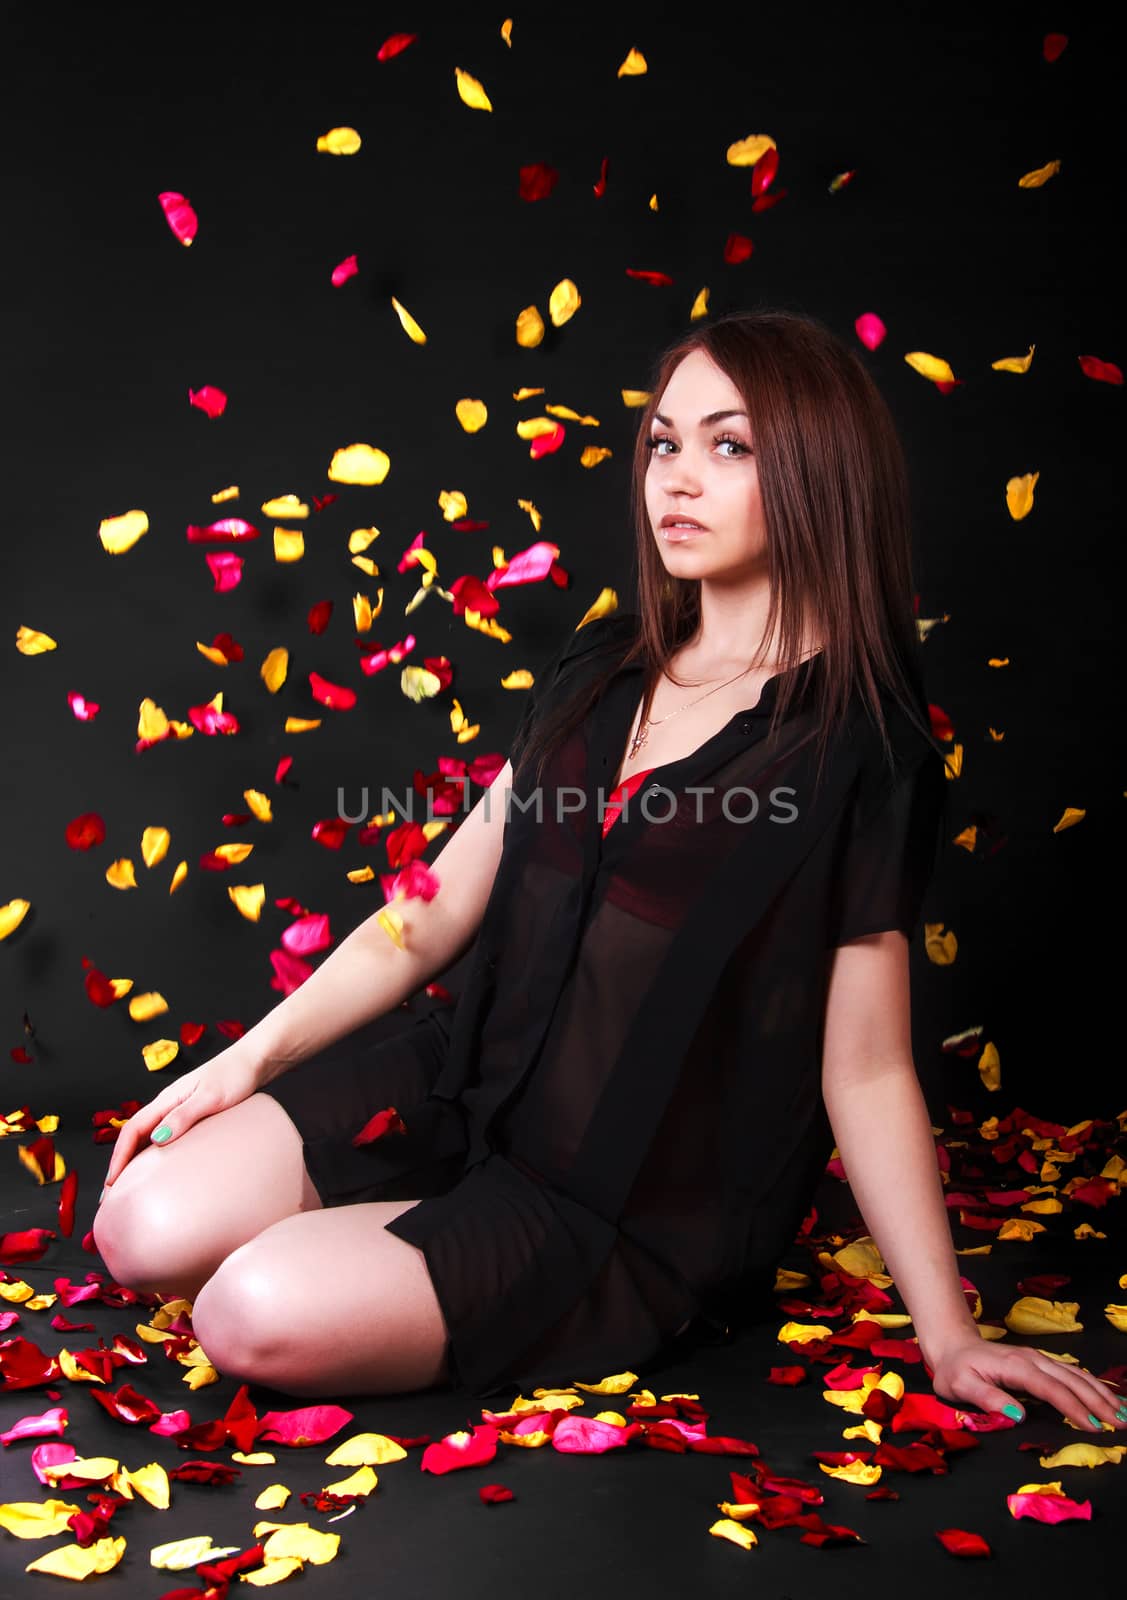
{"points": [[1095, 1421], [163, 1133], [1014, 1412]]}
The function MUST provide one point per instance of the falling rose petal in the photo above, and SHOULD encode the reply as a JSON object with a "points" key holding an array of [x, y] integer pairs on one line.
{"points": [[460, 1449], [50, 1423], [1053, 45], [1102, 371], [870, 330], [211, 401], [307, 1425], [339, 142], [85, 831], [225, 528], [737, 247], [67, 1195], [493, 1494], [85, 710], [289, 972], [179, 215], [348, 268], [331, 832], [471, 91], [317, 617], [764, 170], [11, 915], [308, 935], [658, 279], [394, 45], [527, 566], [334, 695], [384, 1122], [536, 182], [27, 1244], [119, 534], [226, 569]]}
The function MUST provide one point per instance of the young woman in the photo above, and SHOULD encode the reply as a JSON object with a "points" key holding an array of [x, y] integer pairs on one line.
{"points": [[690, 894]]}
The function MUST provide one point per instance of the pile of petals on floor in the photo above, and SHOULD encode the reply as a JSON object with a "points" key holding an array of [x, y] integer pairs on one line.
{"points": [[848, 1325]]}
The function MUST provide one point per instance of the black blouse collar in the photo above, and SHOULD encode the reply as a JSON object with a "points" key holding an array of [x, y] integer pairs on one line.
{"points": [[609, 728]]}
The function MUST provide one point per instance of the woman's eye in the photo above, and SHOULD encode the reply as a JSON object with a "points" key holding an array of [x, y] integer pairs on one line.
{"points": [[659, 439]]}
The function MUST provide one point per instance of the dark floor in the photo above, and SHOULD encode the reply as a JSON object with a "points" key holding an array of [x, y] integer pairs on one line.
{"points": [[634, 1520]]}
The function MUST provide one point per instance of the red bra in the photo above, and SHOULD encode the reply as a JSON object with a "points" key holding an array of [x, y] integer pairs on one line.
{"points": [[614, 806]]}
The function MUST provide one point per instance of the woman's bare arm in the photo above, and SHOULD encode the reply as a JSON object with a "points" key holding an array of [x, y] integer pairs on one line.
{"points": [[368, 975]]}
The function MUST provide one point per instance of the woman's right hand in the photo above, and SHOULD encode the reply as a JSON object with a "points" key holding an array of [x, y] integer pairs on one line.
{"points": [[225, 1080]]}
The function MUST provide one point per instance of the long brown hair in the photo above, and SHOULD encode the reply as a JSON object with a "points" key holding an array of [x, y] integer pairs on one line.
{"points": [[836, 508]]}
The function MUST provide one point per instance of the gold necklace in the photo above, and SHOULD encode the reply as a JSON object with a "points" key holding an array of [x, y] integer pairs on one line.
{"points": [[643, 732]]}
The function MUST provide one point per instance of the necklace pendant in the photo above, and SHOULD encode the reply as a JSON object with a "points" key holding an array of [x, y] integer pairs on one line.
{"points": [[638, 740]]}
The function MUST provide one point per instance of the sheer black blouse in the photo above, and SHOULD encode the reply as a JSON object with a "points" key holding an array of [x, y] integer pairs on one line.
{"points": [[640, 1030]]}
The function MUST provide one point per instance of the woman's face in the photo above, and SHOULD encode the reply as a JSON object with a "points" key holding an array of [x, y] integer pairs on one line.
{"points": [[705, 473]]}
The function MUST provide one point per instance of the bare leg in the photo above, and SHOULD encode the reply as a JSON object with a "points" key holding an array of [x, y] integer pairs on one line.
{"points": [[174, 1214], [326, 1302]]}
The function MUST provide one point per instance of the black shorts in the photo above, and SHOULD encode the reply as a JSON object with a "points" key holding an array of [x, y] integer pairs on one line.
{"points": [[486, 1231]]}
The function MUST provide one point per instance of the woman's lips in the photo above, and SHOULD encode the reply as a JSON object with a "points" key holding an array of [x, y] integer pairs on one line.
{"points": [[675, 535]]}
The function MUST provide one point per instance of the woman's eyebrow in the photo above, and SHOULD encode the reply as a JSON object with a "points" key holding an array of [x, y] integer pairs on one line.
{"points": [[713, 416]]}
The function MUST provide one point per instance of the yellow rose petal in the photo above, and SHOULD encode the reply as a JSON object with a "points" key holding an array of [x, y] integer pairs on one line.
{"points": [[259, 804], [472, 91], [530, 328], [366, 1449], [143, 1007], [339, 142], [1019, 495], [289, 544], [154, 845], [11, 915], [285, 505], [302, 1541], [472, 415], [1014, 363], [248, 899], [73, 1561], [725, 1528], [34, 1519], [160, 1053], [119, 534], [179, 1554], [746, 152], [410, 326], [273, 670], [362, 1481], [273, 1572], [30, 642], [1032, 1314], [272, 1498], [1039, 176], [933, 367], [633, 66], [359, 463], [151, 1483], [563, 302], [119, 874]]}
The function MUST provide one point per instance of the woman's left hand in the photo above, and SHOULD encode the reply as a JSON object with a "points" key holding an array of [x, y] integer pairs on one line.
{"points": [[974, 1371]]}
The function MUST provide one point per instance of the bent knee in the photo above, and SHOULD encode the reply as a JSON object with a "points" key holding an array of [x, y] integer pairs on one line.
{"points": [[240, 1322], [144, 1239]]}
